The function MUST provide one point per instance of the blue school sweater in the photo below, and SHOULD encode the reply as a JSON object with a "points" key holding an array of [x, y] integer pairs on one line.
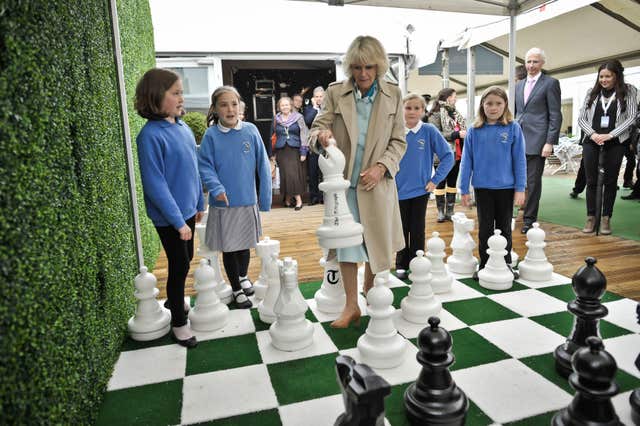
{"points": [[494, 158], [169, 171], [229, 160], [417, 164]]}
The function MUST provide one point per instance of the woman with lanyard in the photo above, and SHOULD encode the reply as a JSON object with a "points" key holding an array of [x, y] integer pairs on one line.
{"points": [[605, 119]]}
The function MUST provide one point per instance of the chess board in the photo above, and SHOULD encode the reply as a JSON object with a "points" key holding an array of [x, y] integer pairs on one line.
{"points": [[503, 343]]}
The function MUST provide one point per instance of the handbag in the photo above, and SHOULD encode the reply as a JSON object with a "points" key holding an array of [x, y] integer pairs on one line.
{"points": [[274, 137]]}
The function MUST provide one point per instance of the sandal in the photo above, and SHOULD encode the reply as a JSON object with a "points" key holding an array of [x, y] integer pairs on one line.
{"points": [[247, 286], [242, 301]]}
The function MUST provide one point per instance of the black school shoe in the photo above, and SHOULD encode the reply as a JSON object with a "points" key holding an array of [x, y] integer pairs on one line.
{"points": [[242, 301], [189, 343], [247, 286]]}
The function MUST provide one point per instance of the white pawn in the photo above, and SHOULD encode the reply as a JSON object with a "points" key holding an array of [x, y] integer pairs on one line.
{"points": [[496, 275], [514, 255], [441, 280], [535, 266], [264, 248], [150, 321], [420, 303], [291, 331], [385, 275], [338, 228], [209, 313], [330, 297], [381, 346], [462, 260], [265, 307]]}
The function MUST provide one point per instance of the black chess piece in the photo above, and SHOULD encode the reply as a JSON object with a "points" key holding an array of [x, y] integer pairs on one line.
{"points": [[589, 284], [363, 392], [594, 370], [435, 399], [634, 398]]}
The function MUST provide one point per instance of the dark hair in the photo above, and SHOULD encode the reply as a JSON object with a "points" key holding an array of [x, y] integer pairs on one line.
{"points": [[481, 117], [615, 67], [212, 116], [443, 95], [521, 72], [150, 92]]}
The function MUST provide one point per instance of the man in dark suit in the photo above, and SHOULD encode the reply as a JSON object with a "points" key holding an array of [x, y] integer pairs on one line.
{"points": [[537, 108], [310, 112]]}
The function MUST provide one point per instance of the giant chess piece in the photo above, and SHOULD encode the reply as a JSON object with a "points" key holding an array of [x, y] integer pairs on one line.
{"points": [[634, 398], [338, 229], [291, 331], [535, 266], [222, 288], [462, 260], [381, 346], [420, 303], [589, 285], [264, 248], [496, 275], [150, 321], [330, 297], [594, 371], [441, 279], [363, 393], [209, 313], [434, 399], [514, 255], [265, 307]]}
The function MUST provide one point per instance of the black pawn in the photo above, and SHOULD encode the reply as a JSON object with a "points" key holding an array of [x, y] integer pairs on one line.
{"points": [[434, 398], [594, 371], [634, 399], [589, 284], [363, 392]]}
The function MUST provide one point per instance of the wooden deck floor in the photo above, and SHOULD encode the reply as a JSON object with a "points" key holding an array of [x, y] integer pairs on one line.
{"points": [[566, 248]]}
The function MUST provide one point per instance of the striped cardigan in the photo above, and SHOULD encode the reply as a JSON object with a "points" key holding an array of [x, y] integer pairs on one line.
{"points": [[624, 120]]}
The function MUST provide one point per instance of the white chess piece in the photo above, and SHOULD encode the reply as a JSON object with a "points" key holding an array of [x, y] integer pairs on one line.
{"points": [[330, 297], [462, 260], [265, 307], [338, 229], [291, 331], [223, 288], [442, 280], [386, 277], [264, 248], [420, 303], [381, 346], [514, 255], [209, 313], [496, 275], [150, 321], [535, 266]]}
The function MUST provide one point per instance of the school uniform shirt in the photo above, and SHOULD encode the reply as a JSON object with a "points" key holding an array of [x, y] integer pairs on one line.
{"points": [[416, 166], [169, 171], [494, 158]]}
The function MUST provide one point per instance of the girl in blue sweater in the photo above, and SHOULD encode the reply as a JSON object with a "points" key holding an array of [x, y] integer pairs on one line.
{"points": [[494, 160], [231, 155], [172, 190], [416, 180]]}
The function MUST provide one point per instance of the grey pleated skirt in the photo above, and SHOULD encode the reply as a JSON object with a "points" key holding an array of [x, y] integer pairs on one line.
{"points": [[233, 228]]}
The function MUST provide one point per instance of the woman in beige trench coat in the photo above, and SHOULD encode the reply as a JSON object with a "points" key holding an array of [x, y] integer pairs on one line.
{"points": [[364, 115]]}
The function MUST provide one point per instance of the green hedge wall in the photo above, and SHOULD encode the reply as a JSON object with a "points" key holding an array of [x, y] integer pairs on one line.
{"points": [[67, 257]]}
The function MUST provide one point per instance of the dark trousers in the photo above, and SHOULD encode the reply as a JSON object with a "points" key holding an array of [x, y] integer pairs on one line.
{"points": [[314, 177], [535, 167], [581, 179], [495, 207], [412, 214], [179, 255], [452, 177], [613, 153], [631, 163], [236, 265]]}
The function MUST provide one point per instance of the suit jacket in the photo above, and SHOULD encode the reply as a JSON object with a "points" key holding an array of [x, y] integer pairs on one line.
{"points": [[385, 143], [309, 115], [540, 118]]}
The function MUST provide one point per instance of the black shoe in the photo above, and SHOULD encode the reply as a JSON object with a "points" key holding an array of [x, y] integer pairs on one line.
{"points": [[242, 301], [631, 196], [298, 208], [313, 202], [186, 306], [627, 184], [573, 195], [247, 289], [189, 343], [475, 276], [516, 274], [525, 228]]}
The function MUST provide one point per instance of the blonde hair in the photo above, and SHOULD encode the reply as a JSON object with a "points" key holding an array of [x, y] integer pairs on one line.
{"points": [[412, 96], [366, 50], [481, 117], [212, 117], [287, 98]]}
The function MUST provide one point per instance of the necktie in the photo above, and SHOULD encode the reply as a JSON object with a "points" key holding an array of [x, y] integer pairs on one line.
{"points": [[527, 89]]}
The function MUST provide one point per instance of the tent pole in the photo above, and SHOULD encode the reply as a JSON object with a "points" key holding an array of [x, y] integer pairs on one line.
{"points": [[124, 117], [445, 68], [471, 83], [512, 56]]}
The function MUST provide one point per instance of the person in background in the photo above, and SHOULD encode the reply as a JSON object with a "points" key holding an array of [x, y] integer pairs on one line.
{"points": [[606, 119], [298, 102], [172, 190], [310, 112], [242, 109], [364, 115], [537, 109], [494, 161], [415, 180], [453, 127], [230, 152]]}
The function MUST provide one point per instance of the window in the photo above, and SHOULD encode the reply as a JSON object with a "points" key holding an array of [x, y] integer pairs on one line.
{"points": [[487, 62], [194, 80]]}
